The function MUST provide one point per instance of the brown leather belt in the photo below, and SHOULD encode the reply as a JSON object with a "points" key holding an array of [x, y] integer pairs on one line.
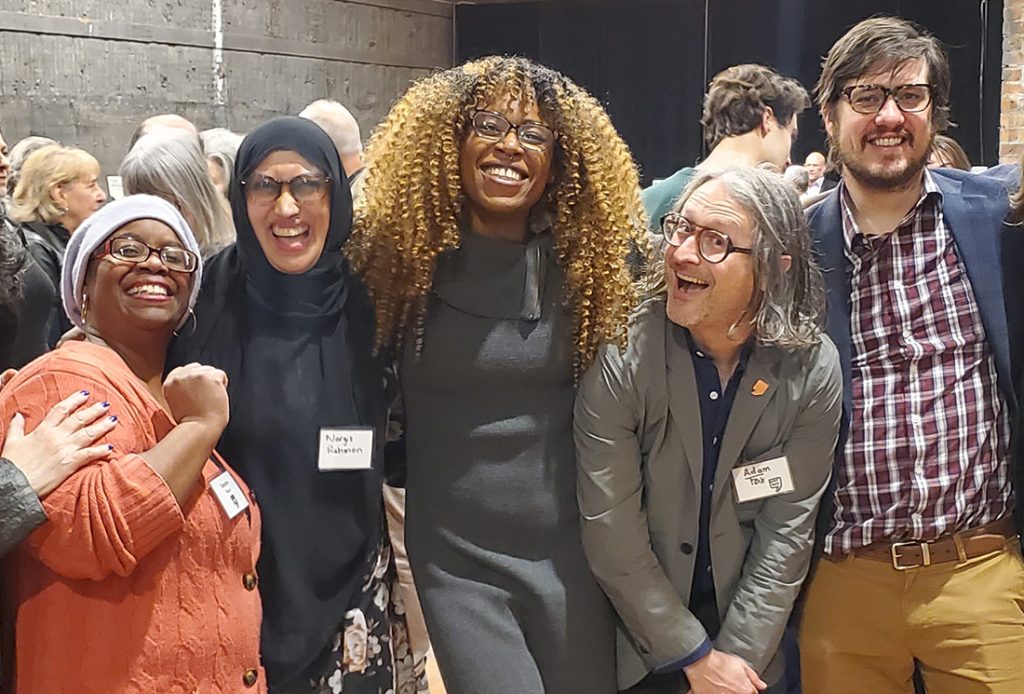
{"points": [[960, 546]]}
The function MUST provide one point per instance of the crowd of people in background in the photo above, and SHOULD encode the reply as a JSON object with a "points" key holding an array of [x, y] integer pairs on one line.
{"points": [[292, 417]]}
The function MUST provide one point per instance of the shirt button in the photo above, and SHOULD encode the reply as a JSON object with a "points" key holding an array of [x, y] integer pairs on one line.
{"points": [[713, 395], [686, 547], [250, 677], [714, 441], [700, 354], [249, 580]]}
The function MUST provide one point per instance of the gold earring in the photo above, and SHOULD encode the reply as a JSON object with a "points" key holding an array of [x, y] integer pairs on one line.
{"points": [[85, 307]]}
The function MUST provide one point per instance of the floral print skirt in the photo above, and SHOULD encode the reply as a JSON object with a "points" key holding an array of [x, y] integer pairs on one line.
{"points": [[371, 653]]}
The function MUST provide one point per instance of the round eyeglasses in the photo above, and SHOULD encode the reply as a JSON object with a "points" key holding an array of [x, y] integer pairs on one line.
{"points": [[494, 127], [713, 246], [264, 190], [129, 250], [869, 99]]}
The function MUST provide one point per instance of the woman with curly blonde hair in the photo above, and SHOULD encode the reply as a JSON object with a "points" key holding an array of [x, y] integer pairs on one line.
{"points": [[500, 209]]}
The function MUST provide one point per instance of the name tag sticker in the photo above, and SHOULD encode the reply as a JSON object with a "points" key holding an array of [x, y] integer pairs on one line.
{"points": [[762, 479], [345, 449], [229, 495]]}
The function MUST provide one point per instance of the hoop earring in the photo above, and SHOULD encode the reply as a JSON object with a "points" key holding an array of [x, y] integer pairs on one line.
{"points": [[195, 323]]}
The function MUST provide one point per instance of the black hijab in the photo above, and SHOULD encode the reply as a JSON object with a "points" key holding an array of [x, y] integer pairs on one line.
{"points": [[297, 351]]}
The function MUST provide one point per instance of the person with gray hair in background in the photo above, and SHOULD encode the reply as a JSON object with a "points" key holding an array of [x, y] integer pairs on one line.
{"points": [[19, 153], [173, 168], [705, 445], [339, 124], [798, 177], [221, 147]]}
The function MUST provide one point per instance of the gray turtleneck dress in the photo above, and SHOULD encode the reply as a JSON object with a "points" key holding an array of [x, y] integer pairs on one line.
{"points": [[492, 521]]}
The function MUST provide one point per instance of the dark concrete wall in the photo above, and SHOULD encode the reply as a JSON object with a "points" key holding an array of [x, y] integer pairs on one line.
{"points": [[86, 72]]}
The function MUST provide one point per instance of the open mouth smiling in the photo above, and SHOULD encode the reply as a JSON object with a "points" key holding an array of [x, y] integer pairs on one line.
{"points": [[149, 290], [688, 283], [503, 174], [289, 232]]}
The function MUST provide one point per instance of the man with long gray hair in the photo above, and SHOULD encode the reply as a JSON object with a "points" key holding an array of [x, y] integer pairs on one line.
{"points": [[705, 445]]}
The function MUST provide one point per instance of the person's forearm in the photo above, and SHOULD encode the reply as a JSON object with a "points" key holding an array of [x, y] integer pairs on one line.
{"points": [[179, 457], [20, 509]]}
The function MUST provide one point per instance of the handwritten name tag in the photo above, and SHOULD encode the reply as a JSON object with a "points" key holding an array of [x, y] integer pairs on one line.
{"points": [[762, 479], [346, 449], [229, 495]]}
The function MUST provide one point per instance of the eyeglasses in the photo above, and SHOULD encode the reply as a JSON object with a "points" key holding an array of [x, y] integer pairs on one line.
{"points": [[133, 251], [264, 190], [713, 246], [869, 99], [494, 127]]}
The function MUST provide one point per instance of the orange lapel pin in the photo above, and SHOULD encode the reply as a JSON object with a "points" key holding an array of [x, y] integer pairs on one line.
{"points": [[760, 388]]}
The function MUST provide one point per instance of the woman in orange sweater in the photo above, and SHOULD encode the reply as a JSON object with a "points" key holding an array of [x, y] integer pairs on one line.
{"points": [[143, 580]]}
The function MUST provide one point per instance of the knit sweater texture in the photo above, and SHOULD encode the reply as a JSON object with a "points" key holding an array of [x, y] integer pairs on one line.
{"points": [[123, 590]]}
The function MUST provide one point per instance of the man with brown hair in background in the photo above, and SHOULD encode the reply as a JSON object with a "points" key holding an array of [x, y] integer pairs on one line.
{"points": [[750, 115]]}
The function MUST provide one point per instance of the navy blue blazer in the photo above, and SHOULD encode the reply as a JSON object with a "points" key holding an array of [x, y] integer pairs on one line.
{"points": [[975, 207]]}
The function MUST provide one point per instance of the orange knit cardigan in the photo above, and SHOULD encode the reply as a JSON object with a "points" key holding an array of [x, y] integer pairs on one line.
{"points": [[122, 590]]}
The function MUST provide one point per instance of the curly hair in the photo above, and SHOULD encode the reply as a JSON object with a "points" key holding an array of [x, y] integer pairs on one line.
{"points": [[413, 205], [738, 96]]}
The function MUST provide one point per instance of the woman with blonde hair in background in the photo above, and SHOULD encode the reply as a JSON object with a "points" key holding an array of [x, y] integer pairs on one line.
{"points": [[500, 209], [58, 188], [174, 169]]}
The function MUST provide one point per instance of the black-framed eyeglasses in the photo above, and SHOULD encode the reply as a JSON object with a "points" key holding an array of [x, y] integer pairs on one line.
{"points": [[305, 188], [494, 127], [129, 250], [713, 246], [869, 99]]}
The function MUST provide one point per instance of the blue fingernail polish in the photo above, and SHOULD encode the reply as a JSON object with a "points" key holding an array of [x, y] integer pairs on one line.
{"points": [[113, 418], [105, 404], [110, 446], [85, 392]]}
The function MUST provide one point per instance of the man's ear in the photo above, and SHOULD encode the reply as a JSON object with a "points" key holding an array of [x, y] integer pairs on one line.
{"points": [[786, 262], [826, 118], [768, 121]]}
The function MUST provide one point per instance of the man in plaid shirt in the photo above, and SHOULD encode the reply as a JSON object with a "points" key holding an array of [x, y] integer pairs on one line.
{"points": [[922, 562]]}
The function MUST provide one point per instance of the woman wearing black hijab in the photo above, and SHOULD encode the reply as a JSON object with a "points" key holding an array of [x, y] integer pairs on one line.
{"points": [[282, 315]]}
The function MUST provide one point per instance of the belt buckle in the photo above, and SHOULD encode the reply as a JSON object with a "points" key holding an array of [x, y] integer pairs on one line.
{"points": [[926, 558]]}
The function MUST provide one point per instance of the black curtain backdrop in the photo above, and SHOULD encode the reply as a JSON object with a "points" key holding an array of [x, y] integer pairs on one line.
{"points": [[649, 61]]}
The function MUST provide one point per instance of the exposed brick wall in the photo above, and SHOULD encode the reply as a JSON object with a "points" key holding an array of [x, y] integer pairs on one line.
{"points": [[1011, 118]]}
